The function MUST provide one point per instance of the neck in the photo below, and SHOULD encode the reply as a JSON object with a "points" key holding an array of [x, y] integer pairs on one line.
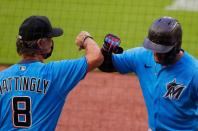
{"points": [[32, 58], [179, 55]]}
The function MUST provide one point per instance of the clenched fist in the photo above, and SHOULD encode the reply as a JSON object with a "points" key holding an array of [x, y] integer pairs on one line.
{"points": [[81, 38]]}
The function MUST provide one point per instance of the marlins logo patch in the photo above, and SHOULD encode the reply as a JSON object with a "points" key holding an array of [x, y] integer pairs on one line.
{"points": [[174, 90]]}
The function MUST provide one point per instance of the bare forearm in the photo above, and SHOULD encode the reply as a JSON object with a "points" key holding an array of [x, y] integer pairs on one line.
{"points": [[92, 50], [93, 54]]}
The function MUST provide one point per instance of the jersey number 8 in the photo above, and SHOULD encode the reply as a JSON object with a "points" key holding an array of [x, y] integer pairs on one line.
{"points": [[21, 115]]}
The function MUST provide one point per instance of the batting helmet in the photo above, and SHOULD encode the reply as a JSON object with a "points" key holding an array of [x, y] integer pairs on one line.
{"points": [[163, 35]]}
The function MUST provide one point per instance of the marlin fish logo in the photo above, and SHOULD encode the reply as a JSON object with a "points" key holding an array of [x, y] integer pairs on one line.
{"points": [[174, 90]]}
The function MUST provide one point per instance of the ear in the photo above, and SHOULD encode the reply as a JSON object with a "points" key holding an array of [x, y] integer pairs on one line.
{"points": [[41, 44], [44, 45]]}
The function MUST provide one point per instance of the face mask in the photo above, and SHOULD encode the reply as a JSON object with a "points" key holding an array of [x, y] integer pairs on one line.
{"points": [[167, 58], [47, 55]]}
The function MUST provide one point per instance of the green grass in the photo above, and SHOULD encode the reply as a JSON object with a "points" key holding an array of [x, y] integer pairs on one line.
{"points": [[129, 19]]}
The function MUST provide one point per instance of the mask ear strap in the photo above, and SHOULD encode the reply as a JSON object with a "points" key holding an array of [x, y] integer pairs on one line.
{"points": [[40, 44]]}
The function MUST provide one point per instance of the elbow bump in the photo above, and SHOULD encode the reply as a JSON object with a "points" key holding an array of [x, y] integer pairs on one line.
{"points": [[95, 60], [99, 59]]}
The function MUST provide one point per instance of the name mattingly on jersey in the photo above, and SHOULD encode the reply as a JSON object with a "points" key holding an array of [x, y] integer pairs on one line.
{"points": [[24, 83]]}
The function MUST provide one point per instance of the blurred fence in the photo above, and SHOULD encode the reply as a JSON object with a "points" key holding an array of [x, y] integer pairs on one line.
{"points": [[129, 19]]}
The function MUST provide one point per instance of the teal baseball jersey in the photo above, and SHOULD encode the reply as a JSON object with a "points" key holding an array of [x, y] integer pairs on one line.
{"points": [[170, 92], [32, 93]]}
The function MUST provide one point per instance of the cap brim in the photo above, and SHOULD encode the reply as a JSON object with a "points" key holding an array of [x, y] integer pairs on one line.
{"points": [[56, 32], [156, 47]]}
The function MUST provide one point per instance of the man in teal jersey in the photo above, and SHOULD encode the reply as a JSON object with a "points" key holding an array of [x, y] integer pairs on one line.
{"points": [[33, 93], [168, 75]]}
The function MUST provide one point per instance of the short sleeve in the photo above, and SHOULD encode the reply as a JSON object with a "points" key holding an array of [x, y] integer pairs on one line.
{"points": [[67, 74], [125, 62]]}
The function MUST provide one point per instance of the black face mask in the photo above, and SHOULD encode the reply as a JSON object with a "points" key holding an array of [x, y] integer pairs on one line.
{"points": [[168, 58], [47, 55]]}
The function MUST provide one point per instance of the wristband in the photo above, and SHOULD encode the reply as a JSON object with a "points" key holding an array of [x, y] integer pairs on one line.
{"points": [[88, 36], [83, 42]]}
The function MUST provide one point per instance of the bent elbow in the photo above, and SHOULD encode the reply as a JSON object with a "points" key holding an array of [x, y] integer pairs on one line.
{"points": [[99, 59], [94, 61]]}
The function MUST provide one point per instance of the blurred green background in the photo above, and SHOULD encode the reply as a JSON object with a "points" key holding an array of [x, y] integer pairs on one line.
{"points": [[129, 19]]}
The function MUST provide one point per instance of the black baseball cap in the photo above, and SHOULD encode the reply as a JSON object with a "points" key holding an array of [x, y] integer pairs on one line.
{"points": [[36, 27]]}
